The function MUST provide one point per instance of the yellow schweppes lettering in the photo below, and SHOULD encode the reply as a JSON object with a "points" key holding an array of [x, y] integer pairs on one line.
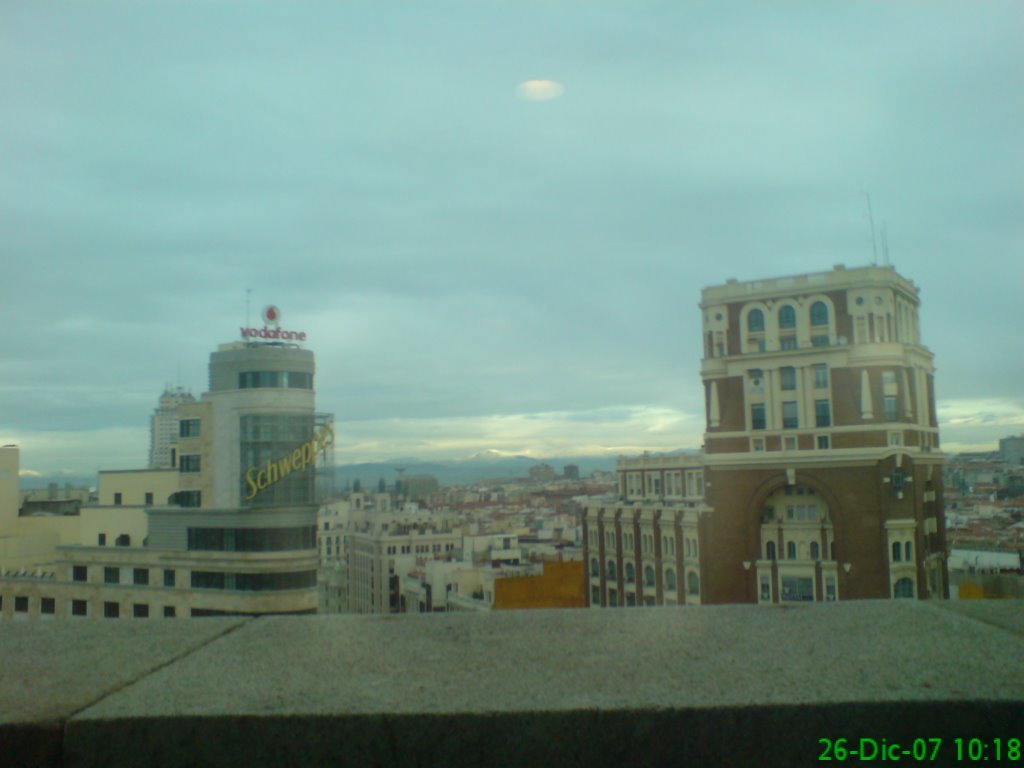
{"points": [[275, 470]]}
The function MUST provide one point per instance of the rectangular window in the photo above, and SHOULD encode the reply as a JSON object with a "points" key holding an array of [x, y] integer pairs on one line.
{"points": [[48, 606], [891, 410], [79, 573], [168, 578], [111, 575], [895, 439], [20, 604], [820, 340], [790, 418], [787, 378], [766, 590], [797, 589], [169, 612], [117, 499], [789, 443], [757, 444], [830, 589], [824, 443], [822, 413], [889, 378], [820, 376], [140, 611], [756, 381], [188, 428], [788, 342], [79, 608], [189, 498], [757, 416], [188, 462], [140, 576], [149, 498], [111, 610], [101, 539]]}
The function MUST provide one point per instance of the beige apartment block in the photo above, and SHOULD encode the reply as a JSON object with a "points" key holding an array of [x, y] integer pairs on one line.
{"points": [[230, 529]]}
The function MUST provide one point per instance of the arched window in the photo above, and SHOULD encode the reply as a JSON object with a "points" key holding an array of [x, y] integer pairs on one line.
{"points": [[908, 553], [815, 551], [755, 321], [692, 583], [896, 550], [648, 576], [611, 569], [670, 579], [787, 317], [904, 588], [791, 550], [819, 313], [771, 550], [630, 573], [595, 568]]}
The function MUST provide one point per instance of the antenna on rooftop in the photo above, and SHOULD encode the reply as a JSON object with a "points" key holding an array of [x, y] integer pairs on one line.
{"points": [[885, 246], [871, 221]]}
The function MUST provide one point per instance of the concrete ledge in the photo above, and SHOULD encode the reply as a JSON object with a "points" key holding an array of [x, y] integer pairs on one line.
{"points": [[729, 685]]}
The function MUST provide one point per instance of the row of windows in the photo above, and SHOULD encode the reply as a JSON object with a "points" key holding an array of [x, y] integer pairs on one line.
{"points": [[275, 379], [902, 553], [814, 551], [791, 414], [787, 317], [47, 605], [630, 598], [634, 484], [629, 575], [668, 543], [788, 378], [253, 582], [112, 575], [252, 539], [111, 610]]}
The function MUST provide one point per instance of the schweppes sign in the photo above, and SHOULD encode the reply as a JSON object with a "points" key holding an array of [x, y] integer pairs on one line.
{"points": [[276, 470]]}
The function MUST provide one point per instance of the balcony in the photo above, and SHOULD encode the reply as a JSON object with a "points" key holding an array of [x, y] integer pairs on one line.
{"points": [[724, 686]]}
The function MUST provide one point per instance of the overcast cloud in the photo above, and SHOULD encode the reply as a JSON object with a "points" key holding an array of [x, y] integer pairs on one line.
{"points": [[477, 271]]}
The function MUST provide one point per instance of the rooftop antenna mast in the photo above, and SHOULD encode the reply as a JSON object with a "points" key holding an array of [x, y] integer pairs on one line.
{"points": [[871, 221], [885, 246]]}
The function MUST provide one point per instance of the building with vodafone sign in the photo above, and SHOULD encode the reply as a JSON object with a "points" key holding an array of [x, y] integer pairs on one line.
{"points": [[229, 528]]}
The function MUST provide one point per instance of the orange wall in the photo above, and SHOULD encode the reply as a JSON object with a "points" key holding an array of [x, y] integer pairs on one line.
{"points": [[561, 586]]}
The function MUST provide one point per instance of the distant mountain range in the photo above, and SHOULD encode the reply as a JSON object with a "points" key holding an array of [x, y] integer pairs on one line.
{"points": [[487, 465]]}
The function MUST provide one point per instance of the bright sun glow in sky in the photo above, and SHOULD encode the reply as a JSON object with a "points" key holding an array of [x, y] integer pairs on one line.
{"points": [[539, 90]]}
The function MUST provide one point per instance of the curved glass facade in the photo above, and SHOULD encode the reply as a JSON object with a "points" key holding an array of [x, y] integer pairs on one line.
{"points": [[275, 379], [252, 539], [271, 474], [253, 582]]}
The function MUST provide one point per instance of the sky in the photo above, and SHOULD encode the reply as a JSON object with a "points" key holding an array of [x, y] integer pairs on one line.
{"points": [[477, 270]]}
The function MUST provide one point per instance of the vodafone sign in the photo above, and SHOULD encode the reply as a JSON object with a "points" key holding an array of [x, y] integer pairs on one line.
{"points": [[272, 333], [272, 316]]}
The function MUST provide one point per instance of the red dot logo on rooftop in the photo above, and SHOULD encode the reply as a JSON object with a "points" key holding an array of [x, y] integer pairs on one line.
{"points": [[271, 315]]}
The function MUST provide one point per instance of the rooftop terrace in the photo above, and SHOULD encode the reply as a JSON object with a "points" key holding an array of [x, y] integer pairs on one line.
{"points": [[725, 686]]}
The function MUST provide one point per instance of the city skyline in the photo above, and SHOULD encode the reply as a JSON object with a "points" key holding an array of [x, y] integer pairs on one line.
{"points": [[476, 270]]}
